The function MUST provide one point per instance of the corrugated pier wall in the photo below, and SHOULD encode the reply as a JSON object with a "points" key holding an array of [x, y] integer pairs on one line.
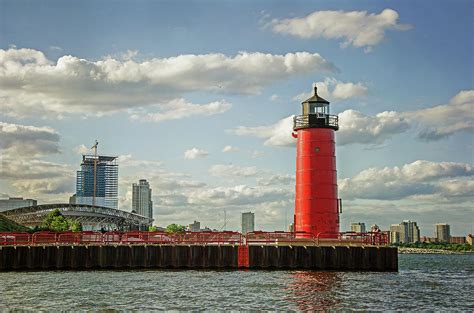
{"points": [[340, 258]]}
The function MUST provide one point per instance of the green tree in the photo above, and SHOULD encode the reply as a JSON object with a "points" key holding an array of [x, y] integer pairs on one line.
{"points": [[175, 228], [53, 218], [55, 221], [75, 226], [151, 228], [59, 223]]}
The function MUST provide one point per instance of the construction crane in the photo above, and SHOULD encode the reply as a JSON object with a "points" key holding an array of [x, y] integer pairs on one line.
{"points": [[94, 147], [225, 221]]}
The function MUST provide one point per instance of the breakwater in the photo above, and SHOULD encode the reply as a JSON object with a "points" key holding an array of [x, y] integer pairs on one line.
{"points": [[83, 257]]}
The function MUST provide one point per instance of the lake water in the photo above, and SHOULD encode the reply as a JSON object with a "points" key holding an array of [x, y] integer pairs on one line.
{"points": [[424, 282]]}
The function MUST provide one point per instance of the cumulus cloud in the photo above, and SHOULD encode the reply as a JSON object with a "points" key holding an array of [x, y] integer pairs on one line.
{"points": [[442, 121], [34, 85], [129, 161], [20, 147], [179, 108], [356, 28], [274, 97], [419, 178], [237, 195], [356, 127], [23, 140], [457, 188], [81, 149], [195, 153], [336, 90], [31, 169], [37, 177], [229, 148], [232, 171], [169, 188], [278, 134], [288, 180]]}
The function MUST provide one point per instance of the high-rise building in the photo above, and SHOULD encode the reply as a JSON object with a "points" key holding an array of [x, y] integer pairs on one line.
{"points": [[195, 227], [405, 232], [141, 198], [409, 232], [15, 203], [248, 222], [442, 232], [358, 227], [395, 233], [97, 181]]}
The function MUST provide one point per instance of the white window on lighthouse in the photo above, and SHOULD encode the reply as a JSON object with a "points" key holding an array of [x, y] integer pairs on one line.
{"points": [[319, 109]]}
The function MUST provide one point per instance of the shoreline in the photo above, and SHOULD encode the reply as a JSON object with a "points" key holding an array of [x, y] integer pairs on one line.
{"points": [[403, 250]]}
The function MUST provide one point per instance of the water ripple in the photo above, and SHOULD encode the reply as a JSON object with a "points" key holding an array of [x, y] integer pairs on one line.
{"points": [[424, 282]]}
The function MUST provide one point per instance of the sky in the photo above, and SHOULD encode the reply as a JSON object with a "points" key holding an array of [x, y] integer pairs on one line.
{"points": [[197, 97]]}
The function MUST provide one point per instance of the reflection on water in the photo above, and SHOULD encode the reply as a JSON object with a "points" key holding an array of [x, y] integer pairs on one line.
{"points": [[314, 290]]}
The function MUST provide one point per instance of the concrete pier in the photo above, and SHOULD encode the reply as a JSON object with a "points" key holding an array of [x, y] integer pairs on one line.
{"points": [[340, 258]]}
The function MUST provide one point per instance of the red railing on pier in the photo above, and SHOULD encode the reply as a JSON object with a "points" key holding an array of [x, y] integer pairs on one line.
{"points": [[192, 238], [137, 237]]}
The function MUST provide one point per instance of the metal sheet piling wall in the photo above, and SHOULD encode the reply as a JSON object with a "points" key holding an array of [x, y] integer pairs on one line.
{"points": [[83, 257], [339, 258]]}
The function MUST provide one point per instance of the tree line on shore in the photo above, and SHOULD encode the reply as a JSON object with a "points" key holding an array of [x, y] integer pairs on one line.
{"points": [[437, 246]]}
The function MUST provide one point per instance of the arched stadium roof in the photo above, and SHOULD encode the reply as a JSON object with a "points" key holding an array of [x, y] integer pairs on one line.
{"points": [[89, 215]]}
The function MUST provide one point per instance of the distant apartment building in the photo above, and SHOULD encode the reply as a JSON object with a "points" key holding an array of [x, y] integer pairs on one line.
{"points": [[15, 203], [395, 233], [405, 232], [374, 228], [141, 199], [426, 239], [469, 239], [97, 181], [195, 227], [442, 232], [248, 222], [457, 240], [358, 227]]}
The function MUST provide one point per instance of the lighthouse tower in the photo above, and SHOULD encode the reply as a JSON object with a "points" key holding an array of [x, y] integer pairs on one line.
{"points": [[316, 203]]}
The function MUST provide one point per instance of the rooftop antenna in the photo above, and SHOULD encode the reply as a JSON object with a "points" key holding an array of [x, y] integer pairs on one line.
{"points": [[95, 169]]}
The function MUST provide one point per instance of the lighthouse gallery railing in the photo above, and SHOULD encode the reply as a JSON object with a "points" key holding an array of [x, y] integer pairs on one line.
{"points": [[316, 120]]}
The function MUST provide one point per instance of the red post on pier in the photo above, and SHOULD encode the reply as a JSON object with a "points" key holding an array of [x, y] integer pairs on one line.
{"points": [[316, 202], [243, 256]]}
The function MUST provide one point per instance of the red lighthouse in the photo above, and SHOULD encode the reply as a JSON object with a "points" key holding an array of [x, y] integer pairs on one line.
{"points": [[316, 202]]}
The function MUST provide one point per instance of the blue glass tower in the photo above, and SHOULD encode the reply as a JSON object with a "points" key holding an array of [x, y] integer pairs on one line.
{"points": [[100, 172]]}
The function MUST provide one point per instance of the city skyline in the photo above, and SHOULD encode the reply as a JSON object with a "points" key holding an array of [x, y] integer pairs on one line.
{"points": [[199, 105]]}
